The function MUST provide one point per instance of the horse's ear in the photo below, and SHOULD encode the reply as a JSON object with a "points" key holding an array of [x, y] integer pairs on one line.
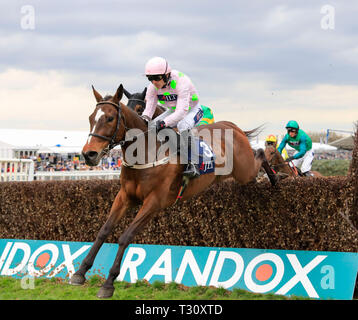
{"points": [[97, 95], [144, 93], [119, 94], [126, 93]]}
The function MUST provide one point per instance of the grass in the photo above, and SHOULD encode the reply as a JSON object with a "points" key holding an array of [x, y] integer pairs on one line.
{"points": [[338, 167], [57, 289]]}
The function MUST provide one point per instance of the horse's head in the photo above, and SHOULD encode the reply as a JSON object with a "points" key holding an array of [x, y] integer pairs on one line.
{"points": [[136, 100], [270, 152], [105, 125]]}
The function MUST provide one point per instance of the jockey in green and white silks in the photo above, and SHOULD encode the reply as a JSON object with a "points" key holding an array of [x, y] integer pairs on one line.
{"points": [[302, 143]]}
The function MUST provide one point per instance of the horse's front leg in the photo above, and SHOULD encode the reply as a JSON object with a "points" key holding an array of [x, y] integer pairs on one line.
{"points": [[261, 160], [119, 207], [149, 208]]}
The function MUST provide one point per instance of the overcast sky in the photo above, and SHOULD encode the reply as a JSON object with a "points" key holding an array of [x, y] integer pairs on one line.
{"points": [[253, 62]]}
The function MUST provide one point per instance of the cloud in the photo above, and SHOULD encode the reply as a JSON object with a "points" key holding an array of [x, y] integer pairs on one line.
{"points": [[34, 100], [316, 108], [244, 56]]}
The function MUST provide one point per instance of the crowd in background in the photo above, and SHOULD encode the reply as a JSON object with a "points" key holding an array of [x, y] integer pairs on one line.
{"points": [[334, 155], [75, 162], [51, 163], [70, 165]]}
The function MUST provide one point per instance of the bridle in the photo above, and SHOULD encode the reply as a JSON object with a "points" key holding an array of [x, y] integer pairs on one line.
{"points": [[113, 143], [279, 165], [112, 140], [140, 100], [274, 154]]}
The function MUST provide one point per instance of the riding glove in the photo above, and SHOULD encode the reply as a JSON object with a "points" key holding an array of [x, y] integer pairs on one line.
{"points": [[289, 159], [160, 125]]}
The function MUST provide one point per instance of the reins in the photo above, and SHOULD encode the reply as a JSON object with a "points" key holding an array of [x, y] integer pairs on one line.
{"points": [[113, 143], [112, 140], [279, 165]]}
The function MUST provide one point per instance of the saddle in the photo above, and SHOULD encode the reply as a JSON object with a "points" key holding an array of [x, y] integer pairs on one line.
{"points": [[195, 150]]}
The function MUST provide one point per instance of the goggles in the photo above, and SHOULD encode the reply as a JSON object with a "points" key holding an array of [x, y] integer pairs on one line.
{"points": [[292, 130], [154, 77], [270, 143]]}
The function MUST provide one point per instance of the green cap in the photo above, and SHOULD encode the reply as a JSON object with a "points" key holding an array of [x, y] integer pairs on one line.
{"points": [[292, 124]]}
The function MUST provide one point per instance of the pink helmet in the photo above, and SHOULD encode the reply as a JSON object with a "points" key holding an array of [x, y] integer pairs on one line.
{"points": [[157, 65]]}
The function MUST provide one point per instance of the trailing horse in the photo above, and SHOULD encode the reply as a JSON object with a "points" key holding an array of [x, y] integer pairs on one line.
{"points": [[137, 103], [278, 164], [156, 184]]}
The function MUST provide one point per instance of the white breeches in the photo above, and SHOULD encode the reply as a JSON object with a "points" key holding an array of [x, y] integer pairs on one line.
{"points": [[305, 163], [188, 122]]}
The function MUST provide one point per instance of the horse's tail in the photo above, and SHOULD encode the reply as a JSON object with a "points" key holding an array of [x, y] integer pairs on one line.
{"points": [[254, 132]]}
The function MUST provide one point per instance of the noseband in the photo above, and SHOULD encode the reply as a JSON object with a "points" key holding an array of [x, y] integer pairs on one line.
{"points": [[112, 140]]}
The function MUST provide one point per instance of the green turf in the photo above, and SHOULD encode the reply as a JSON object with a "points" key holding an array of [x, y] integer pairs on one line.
{"points": [[56, 289], [337, 167]]}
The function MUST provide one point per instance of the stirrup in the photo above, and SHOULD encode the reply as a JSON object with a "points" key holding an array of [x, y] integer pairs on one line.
{"points": [[191, 171]]}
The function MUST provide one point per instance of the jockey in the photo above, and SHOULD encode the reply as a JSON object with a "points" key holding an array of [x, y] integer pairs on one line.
{"points": [[175, 91], [271, 140], [302, 143], [208, 116]]}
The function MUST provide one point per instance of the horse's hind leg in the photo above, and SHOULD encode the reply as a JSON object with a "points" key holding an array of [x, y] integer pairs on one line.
{"points": [[260, 157], [119, 207]]}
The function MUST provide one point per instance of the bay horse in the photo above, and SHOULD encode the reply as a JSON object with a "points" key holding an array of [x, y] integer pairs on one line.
{"points": [[281, 167], [136, 102], [154, 185]]}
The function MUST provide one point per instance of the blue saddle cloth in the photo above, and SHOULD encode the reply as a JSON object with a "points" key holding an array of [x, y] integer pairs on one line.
{"points": [[202, 154]]}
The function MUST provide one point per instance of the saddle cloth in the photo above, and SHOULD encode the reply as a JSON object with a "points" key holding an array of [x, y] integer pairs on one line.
{"points": [[202, 154]]}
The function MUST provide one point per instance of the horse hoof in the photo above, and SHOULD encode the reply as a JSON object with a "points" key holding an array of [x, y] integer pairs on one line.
{"points": [[77, 280], [105, 292]]}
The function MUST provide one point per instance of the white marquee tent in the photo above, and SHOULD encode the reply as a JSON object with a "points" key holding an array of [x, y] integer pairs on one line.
{"points": [[6, 150], [44, 141]]}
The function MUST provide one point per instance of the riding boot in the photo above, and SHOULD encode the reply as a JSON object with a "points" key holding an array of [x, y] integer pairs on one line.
{"points": [[187, 147]]}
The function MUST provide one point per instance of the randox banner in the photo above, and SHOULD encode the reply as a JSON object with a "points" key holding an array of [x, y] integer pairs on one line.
{"points": [[314, 274]]}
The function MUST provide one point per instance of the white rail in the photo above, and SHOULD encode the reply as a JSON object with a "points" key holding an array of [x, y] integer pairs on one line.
{"points": [[23, 170], [16, 170], [77, 175]]}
